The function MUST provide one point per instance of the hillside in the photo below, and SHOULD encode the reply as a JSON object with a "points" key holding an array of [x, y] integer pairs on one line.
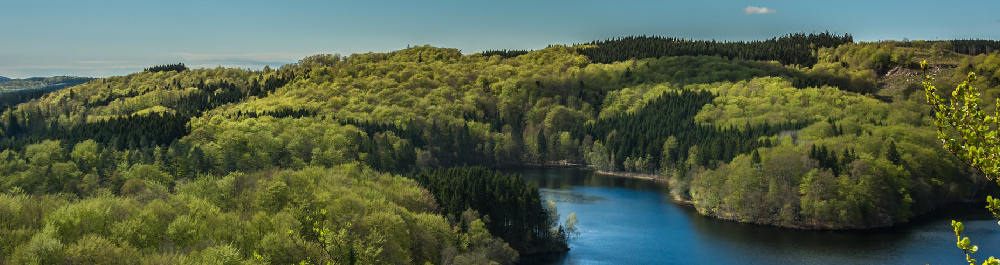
{"points": [[40, 83], [17, 91], [307, 162]]}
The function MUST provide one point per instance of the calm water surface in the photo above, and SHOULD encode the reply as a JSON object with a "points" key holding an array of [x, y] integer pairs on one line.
{"points": [[633, 221]]}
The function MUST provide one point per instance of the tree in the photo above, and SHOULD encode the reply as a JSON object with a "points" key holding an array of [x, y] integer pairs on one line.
{"points": [[542, 146], [86, 154], [892, 154], [972, 136]]}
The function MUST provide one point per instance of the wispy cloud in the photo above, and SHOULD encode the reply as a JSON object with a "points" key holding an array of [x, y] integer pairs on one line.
{"points": [[753, 10], [103, 62]]}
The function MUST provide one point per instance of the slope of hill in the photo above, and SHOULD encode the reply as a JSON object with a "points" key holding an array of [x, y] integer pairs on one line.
{"points": [[305, 162], [17, 91], [2, 79], [40, 83]]}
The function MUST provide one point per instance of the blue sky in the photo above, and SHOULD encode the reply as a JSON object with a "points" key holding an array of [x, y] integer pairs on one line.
{"points": [[111, 37]]}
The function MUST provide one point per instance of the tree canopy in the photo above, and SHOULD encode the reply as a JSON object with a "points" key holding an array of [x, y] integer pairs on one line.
{"points": [[306, 162]]}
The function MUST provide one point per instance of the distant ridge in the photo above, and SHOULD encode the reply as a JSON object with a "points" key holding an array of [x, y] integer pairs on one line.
{"points": [[40, 83]]}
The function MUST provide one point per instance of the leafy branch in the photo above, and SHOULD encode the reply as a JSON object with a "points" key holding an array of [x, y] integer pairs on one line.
{"points": [[977, 143]]}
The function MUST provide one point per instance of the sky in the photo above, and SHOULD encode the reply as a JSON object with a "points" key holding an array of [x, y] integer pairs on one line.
{"points": [[100, 38]]}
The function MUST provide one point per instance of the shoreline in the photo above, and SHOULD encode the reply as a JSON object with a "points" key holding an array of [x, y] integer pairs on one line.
{"points": [[652, 177], [690, 204], [566, 164]]}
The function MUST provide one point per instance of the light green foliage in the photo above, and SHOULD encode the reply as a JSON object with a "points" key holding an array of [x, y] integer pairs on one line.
{"points": [[93, 215], [153, 101], [977, 140], [570, 225], [252, 144], [392, 220], [194, 197], [631, 99], [272, 197], [774, 100], [305, 155], [43, 167], [747, 192], [405, 88], [133, 187], [148, 173], [484, 248], [183, 231], [44, 153], [969, 133], [124, 95], [877, 56], [94, 249], [887, 179], [43, 248], [222, 254], [86, 155], [145, 230]]}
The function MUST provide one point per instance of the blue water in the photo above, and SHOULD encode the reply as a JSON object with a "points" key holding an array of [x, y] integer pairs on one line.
{"points": [[633, 221]]}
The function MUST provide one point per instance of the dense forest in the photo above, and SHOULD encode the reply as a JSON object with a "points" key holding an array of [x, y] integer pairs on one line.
{"points": [[973, 47], [167, 67], [524, 223], [389, 157], [504, 53], [797, 49], [17, 91], [10, 100]]}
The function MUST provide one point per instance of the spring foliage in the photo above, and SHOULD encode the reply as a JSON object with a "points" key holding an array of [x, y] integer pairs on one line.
{"points": [[218, 165], [971, 134]]}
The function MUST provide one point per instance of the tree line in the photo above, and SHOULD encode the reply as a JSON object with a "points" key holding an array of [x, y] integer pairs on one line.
{"points": [[797, 48], [663, 134], [512, 207], [179, 67], [504, 53], [22, 126], [11, 100], [41, 83]]}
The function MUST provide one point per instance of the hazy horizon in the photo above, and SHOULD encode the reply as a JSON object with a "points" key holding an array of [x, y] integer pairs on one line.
{"points": [[111, 37]]}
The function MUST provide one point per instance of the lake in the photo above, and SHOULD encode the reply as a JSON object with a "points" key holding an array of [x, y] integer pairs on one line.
{"points": [[633, 221]]}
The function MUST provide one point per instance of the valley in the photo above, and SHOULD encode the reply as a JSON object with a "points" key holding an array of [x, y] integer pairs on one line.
{"points": [[390, 158]]}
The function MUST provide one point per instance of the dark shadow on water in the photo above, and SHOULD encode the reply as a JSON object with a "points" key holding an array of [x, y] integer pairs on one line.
{"points": [[567, 178], [544, 258], [569, 197], [869, 239]]}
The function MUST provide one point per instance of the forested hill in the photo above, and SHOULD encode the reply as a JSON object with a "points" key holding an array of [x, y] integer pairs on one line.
{"points": [[40, 83], [971, 47], [798, 49], [17, 91], [352, 158]]}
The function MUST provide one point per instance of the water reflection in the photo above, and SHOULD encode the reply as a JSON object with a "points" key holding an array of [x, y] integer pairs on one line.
{"points": [[632, 221], [569, 197], [567, 178]]}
